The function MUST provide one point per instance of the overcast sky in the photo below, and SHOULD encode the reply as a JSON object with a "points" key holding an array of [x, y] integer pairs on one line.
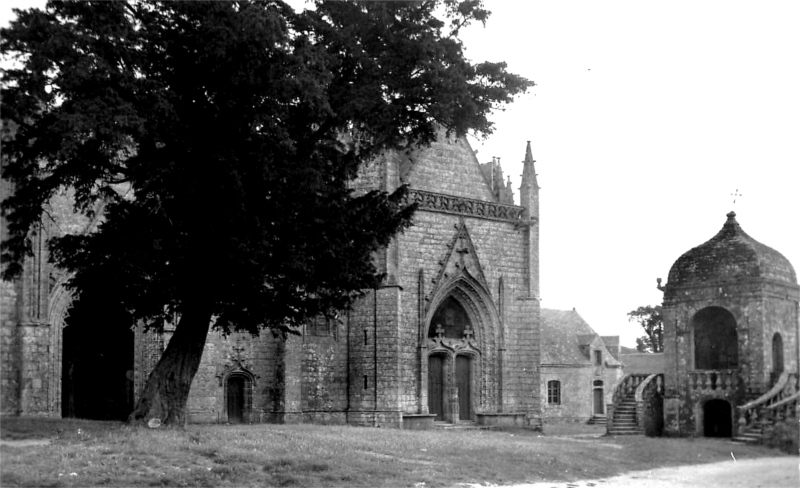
{"points": [[647, 117]]}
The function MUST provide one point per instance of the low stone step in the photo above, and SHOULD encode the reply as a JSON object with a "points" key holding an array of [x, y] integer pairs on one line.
{"points": [[625, 432], [745, 440], [461, 426]]}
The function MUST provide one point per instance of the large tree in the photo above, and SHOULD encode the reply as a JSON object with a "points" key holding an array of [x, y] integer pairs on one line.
{"points": [[222, 138], [651, 319]]}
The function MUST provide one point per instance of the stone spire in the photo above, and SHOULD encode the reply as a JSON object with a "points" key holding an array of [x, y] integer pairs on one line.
{"points": [[529, 191], [529, 200]]}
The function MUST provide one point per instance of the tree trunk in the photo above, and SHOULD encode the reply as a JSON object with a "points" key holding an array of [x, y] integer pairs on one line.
{"points": [[167, 389]]}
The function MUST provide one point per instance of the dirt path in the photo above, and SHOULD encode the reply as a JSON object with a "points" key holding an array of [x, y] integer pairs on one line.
{"points": [[777, 472]]}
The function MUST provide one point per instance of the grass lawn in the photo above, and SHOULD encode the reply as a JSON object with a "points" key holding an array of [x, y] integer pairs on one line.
{"points": [[89, 453]]}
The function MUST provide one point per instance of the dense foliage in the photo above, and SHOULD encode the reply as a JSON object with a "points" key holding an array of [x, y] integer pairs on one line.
{"points": [[652, 321], [222, 137]]}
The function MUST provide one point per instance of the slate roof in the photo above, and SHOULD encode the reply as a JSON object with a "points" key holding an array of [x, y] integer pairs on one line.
{"points": [[563, 334], [612, 344], [731, 255]]}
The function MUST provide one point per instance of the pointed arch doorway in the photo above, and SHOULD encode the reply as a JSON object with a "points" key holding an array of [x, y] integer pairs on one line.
{"points": [[451, 363]]}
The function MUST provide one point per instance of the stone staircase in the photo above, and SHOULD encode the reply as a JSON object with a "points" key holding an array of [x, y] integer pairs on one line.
{"points": [[750, 435], [624, 420], [780, 403]]}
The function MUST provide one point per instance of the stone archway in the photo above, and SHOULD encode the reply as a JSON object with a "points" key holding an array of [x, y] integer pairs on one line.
{"points": [[454, 359], [717, 418], [462, 319], [238, 394], [716, 344], [97, 360]]}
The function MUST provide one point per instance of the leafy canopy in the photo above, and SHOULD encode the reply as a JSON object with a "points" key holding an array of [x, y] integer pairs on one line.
{"points": [[652, 321], [222, 138]]}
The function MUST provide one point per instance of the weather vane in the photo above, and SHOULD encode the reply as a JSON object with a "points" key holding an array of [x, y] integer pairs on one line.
{"points": [[735, 195]]}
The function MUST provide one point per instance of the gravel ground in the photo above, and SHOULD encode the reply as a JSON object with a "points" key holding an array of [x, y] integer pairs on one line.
{"points": [[777, 472]]}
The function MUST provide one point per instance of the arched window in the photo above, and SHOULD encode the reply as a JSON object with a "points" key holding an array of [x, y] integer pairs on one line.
{"points": [[777, 357], [452, 318], [777, 353], [716, 344], [554, 392]]}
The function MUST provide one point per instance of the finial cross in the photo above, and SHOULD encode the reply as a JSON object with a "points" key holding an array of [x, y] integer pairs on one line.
{"points": [[735, 195]]}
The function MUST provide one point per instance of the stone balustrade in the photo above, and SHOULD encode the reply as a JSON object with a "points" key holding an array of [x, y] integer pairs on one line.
{"points": [[781, 402], [627, 386], [725, 380]]}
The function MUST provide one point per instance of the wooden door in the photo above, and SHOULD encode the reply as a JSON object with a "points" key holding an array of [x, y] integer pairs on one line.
{"points": [[235, 399], [598, 401], [436, 386], [463, 381]]}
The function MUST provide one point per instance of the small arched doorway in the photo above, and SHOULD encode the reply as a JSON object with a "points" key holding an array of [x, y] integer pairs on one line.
{"points": [[717, 419], [238, 394], [777, 356], [597, 399], [716, 345]]}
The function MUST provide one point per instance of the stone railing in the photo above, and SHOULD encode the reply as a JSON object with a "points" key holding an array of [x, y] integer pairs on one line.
{"points": [[627, 386], [649, 405], [624, 388], [725, 379], [779, 403]]}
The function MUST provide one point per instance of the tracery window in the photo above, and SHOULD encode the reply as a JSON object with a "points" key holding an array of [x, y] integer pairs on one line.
{"points": [[451, 319], [554, 392]]}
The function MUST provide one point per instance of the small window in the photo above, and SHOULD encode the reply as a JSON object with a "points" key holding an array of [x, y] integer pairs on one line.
{"points": [[598, 383], [320, 326], [554, 392], [598, 358]]}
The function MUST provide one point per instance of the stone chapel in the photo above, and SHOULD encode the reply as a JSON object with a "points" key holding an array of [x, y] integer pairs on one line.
{"points": [[451, 336]]}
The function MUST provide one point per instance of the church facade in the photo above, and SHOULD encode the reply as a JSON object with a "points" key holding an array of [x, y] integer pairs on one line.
{"points": [[453, 334]]}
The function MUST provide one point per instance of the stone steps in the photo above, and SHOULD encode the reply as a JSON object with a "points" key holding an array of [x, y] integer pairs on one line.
{"points": [[752, 435], [462, 425], [598, 420], [624, 419]]}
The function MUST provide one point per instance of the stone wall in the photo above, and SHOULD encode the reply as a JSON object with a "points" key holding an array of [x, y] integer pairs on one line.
{"points": [[760, 309], [370, 367]]}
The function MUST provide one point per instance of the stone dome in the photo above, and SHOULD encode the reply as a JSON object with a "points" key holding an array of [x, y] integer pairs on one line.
{"points": [[731, 255]]}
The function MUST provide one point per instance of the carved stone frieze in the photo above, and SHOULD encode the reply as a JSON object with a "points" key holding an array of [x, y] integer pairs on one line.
{"points": [[437, 202]]}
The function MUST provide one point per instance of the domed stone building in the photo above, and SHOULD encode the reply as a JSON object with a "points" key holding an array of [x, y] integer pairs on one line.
{"points": [[730, 334]]}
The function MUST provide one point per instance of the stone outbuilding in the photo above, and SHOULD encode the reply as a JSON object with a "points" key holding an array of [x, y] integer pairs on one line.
{"points": [[579, 368], [730, 333]]}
